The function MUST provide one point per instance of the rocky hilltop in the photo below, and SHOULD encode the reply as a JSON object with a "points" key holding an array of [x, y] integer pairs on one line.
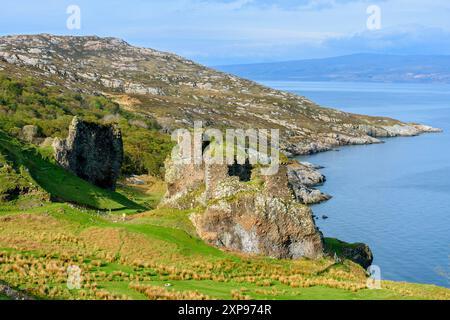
{"points": [[176, 92]]}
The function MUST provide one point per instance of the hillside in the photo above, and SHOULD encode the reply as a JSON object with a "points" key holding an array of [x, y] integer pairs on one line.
{"points": [[175, 92], [25, 171], [357, 68], [127, 244], [152, 255]]}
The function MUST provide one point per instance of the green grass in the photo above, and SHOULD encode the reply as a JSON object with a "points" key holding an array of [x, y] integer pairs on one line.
{"points": [[4, 297], [333, 245], [149, 201], [223, 290], [154, 247], [186, 244], [122, 288], [277, 292], [180, 251], [168, 217], [59, 183]]}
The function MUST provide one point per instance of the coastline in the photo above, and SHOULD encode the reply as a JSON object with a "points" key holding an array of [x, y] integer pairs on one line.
{"points": [[371, 135], [305, 177], [340, 214]]}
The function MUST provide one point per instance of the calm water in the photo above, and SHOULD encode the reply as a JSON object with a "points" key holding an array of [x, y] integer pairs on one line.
{"points": [[394, 196]]}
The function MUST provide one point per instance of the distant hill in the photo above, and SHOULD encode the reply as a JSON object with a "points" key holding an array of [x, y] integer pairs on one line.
{"points": [[158, 87], [357, 67]]}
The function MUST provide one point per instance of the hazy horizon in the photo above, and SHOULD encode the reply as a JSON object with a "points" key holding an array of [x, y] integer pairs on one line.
{"points": [[337, 56], [225, 32]]}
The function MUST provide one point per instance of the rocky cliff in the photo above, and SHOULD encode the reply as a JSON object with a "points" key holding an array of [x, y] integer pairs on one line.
{"points": [[93, 152]]}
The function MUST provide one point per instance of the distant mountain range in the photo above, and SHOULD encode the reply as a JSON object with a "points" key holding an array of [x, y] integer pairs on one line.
{"points": [[357, 67]]}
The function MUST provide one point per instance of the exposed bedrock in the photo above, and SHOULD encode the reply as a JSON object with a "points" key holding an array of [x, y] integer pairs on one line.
{"points": [[358, 134], [241, 210], [359, 253], [92, 151], [259, 216], [302, 179]]}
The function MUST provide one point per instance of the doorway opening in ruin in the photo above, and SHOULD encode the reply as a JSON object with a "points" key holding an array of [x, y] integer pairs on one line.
{"points": [[243, 171]]}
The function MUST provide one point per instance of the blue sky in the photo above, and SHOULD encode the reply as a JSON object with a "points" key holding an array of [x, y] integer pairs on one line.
{"points": [[242, 31]]}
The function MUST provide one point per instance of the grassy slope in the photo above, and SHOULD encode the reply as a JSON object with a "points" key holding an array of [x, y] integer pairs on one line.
{"points": [[58, 182], [115, 254], [38, 242]]}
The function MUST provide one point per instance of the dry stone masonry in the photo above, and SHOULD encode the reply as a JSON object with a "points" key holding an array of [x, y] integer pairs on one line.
{"points": [[255, 215], [92, 151]]}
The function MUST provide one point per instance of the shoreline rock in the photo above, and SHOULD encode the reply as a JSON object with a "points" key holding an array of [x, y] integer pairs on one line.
{"points": [[359, 253], [302, 180], [370, 134]]}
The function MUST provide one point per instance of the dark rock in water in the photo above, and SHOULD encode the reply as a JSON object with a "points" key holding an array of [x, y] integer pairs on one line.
{"points": [[92, 151], [324, 217]]}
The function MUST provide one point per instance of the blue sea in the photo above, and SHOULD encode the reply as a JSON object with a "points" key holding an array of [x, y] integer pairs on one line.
{"points": [[394, 196]]}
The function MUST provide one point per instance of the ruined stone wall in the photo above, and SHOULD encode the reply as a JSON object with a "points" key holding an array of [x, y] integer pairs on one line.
{"points": [[260, 216], [92, 151]]}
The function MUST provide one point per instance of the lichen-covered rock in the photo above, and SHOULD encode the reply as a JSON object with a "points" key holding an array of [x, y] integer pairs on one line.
{"points": [[259, 224], [260, 216], [359, 253], [305, 174], [47, 142], [309, 195], [183, 182], [29, 133], [92, 151], [302, 178]]}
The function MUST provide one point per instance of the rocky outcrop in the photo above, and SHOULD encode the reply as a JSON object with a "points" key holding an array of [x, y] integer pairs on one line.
{"points": [[13, 294], [260, 216], [92, 151], [397, 130], [302, 179], [359, 253], [31, 134]]}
